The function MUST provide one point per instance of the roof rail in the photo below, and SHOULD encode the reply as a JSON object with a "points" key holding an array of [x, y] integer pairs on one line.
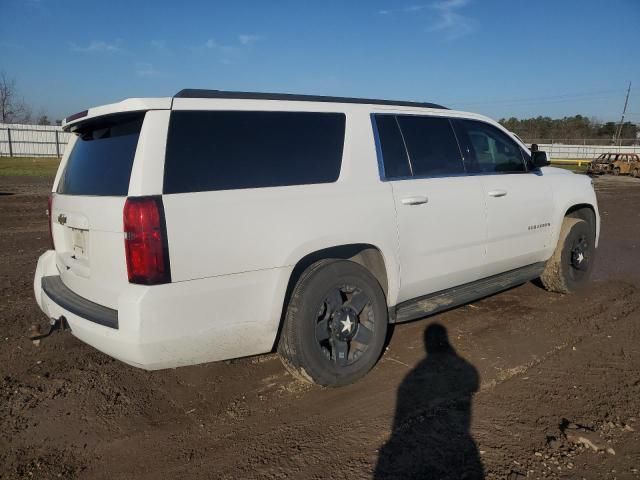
{"points": [[201, 93]]}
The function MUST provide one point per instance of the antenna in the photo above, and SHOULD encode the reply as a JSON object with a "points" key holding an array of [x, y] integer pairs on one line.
{"points": [[618, 134]]}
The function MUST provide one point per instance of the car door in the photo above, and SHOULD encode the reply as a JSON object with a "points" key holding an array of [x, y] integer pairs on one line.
{"points": [[635, 166], [440, 211], [623, 164], [519, 198]]}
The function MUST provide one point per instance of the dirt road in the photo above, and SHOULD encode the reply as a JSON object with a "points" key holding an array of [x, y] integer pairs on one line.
{"points": [[531, 386]]}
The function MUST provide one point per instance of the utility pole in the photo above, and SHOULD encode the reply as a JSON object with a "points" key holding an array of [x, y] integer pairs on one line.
{"points": [[624, 110]]}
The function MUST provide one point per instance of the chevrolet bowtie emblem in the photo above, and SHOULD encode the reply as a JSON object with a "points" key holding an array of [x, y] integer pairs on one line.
{"points": [[62, 219]]}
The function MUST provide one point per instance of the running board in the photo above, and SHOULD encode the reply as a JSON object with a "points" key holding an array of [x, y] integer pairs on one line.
{"points": [[456, 296]]}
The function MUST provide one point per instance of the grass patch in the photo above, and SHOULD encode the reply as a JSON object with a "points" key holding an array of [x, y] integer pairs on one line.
{"points": [[28, 166], [574, 167]]}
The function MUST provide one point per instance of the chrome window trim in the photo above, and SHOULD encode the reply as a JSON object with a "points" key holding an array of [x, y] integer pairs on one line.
{"points": [[380, 159]]}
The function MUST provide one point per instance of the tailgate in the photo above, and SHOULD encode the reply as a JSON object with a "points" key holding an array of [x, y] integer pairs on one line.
{"points": [[87, 206]]}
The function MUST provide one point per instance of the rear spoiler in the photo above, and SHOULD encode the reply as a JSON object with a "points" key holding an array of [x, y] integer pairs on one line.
{"points": [[128, 105]]}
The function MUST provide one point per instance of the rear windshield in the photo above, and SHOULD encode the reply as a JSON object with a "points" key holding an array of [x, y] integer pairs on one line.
{"points": [[101, 160], [223, 150]]}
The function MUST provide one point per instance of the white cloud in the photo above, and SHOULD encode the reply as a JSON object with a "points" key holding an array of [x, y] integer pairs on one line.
{"points": [[414, 8], [451, 23], [451, 4], [247, 39], [211, 44], [408, 9], [230, 52], [96, 46], [160, 46], [146, 70]]}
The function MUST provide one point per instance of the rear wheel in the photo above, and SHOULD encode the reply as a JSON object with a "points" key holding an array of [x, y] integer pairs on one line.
{"points": [[635, 173], [570, 266], [335, 325], [616, 171]]}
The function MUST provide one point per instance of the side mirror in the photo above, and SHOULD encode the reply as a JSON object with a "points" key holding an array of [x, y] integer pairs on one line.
{"points": [[540, 159]]}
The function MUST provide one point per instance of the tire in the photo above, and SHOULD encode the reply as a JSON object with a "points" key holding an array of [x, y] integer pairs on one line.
{"points": [[334, 303], [616, 171], [635, 173], [570, 266]]}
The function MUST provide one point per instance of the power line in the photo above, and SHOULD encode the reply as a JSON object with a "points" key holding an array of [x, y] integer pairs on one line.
{"points": [[567, 97], [540, 102]]}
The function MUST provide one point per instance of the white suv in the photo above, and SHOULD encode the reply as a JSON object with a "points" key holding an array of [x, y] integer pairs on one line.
{"points": [[215, 225]]}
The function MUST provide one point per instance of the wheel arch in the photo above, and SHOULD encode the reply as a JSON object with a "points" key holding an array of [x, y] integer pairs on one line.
{"points": [[367, 255], [586, 212]]}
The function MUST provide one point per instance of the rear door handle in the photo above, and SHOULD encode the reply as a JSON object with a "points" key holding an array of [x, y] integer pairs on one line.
{"points": [[498, 193], [414, 200]]}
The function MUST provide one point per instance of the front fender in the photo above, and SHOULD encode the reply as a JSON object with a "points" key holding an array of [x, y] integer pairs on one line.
{"points": [[573, 190]]}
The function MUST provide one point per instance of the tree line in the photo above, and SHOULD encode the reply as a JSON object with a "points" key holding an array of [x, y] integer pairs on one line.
{"points": [[576, 127]]}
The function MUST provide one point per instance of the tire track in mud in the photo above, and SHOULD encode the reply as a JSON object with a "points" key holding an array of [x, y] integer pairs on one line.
{"points": [[309, 423]]}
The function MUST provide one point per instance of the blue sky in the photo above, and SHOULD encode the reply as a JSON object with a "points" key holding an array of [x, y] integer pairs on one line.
{"points": [[499, 57]]}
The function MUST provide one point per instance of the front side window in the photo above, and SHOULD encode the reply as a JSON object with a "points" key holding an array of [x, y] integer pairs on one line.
{"points": [[432, 146], [486, 149], [227, 150]]}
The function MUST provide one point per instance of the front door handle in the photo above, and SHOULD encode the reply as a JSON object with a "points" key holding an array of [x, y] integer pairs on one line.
{"points": [[498, 193], [414, 200]]}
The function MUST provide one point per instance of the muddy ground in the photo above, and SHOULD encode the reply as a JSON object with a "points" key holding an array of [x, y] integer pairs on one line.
{"points": [[552, 374]]}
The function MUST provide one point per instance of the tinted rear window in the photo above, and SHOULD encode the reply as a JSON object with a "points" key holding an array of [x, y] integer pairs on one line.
{"points": [[230, 150], [101, 160]]}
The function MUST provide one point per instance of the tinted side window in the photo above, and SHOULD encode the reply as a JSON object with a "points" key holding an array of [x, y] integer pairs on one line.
{"points": [[488, 150], [432, 145], [102, 157], [394, 153], [221, 150]]}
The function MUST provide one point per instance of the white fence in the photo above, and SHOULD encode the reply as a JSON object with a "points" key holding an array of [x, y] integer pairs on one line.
{"points": [[32, 140], [50, 141], [559, 151]]}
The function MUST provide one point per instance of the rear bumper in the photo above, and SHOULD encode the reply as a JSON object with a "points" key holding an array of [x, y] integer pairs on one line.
{"points": [[166, 326], [58, 293]]}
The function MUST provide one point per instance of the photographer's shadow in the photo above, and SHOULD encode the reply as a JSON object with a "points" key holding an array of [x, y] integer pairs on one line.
{"points": [[430, 437]]}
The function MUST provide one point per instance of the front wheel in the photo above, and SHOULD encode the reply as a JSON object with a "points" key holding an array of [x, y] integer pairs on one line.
{"points": [[336, 323], [635, 173], [616, 171], [569, 268]]}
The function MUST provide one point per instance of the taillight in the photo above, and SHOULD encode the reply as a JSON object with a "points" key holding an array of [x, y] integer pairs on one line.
{"points": [[145, 241], [50, 215]]}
